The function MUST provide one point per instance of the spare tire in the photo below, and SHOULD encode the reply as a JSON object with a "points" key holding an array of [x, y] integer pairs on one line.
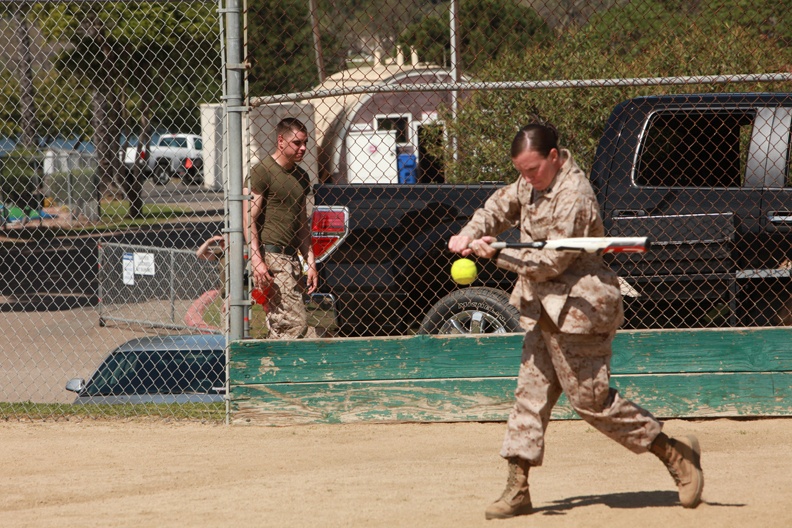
{"points": [[472, 311]]}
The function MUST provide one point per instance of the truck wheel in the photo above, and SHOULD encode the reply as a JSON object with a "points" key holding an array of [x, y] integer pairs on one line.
{"points": [[161, 175], [472, 311]]}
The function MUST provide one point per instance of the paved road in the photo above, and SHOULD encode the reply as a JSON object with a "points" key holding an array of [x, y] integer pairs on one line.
{"points": [[41, 351], [176, 193]]}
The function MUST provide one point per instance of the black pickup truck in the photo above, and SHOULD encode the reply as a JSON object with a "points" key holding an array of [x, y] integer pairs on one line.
{"points": [[706, 177]]}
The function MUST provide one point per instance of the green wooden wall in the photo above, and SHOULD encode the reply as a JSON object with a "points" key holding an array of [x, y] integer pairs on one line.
{"points": [[672, 373]]}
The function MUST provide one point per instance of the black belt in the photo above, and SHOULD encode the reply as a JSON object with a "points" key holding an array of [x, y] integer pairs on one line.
{"points": [[286, 250]]}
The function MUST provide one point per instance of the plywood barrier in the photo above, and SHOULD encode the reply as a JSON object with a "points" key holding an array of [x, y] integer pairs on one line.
{"points": [[672, 373]]}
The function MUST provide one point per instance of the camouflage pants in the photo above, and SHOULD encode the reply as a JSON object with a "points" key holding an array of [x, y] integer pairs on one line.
{"points": [[580, 366], [286, 315]]}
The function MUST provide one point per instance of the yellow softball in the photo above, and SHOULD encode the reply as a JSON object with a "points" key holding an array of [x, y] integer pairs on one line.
{"points": [[464, 271]]}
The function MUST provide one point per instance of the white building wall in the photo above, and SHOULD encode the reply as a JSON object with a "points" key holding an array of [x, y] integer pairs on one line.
{"points": [[212, 134]]}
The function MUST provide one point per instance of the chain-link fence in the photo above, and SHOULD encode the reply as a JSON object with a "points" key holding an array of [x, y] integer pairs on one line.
{"points": [[159, 288], [407, 112], [410, 109], [108, 113]]}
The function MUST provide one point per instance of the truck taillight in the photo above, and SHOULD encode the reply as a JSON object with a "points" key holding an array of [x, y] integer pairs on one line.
{"points": [[188, 163], [329, 227], [143, 154]]}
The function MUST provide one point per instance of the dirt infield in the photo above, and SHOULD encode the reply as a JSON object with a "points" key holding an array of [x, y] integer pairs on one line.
{"points": [[186, 474]]}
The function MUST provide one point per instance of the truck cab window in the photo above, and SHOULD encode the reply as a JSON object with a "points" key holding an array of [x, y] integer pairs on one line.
{"points": [[699, 149]]}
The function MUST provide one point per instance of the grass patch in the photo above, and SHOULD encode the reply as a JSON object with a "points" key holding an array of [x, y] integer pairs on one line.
{"points": [[117, 211], [213, 315], [113, 218], [258, 322], [205, 412]]}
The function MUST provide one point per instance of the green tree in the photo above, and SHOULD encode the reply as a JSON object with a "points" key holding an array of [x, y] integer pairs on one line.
{"points": [[632, 29], [371, 25], [487, 28], [18, 75], [692, 45], [63, 104], [57, 104], [9, 104], [280, 48], [146, 65], [29, 124], [280, 43]]}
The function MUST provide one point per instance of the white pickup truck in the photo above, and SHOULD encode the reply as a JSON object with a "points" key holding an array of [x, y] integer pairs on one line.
{"points": [[171, 155]]}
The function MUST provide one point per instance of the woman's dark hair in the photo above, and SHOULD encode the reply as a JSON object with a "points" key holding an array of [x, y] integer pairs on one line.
{"points": [[537, 137]]}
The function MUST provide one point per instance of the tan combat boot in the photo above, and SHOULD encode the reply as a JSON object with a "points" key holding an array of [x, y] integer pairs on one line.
{"points": [[515, 499], [683, 460]]}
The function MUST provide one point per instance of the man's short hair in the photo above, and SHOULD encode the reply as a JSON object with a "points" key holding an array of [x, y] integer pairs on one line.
{"points": [[290, 124]]}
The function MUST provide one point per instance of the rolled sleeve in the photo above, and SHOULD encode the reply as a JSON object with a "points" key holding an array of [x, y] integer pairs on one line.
{"points": [[500, 212]]}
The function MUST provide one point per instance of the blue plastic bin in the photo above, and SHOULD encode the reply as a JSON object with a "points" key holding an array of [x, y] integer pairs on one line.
{"points": [[406, 164]]}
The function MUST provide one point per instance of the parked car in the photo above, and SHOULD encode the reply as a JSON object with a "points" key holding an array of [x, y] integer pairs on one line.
{"points": [[169, 155], [165, 369]]}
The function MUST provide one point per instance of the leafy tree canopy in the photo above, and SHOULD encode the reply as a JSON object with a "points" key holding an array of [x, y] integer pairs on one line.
{"points": [[692, 45], [9, 102], [167, 53], [487, 29], [281, 48]]}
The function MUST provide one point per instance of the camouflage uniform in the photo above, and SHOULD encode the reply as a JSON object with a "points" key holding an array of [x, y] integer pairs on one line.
{"points": [[286, 314], [570, 305]]}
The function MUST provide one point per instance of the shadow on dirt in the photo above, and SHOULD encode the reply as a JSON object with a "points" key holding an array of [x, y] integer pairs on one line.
{"points": [[628, 500], [45, 302]]}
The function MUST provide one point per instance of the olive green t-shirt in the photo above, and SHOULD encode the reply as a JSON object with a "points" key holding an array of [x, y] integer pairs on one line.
{"points": [[284, 201]]}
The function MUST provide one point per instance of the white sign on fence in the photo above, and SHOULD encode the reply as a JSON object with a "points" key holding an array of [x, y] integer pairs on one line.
{"points": [[144, 264], [128, 269]]}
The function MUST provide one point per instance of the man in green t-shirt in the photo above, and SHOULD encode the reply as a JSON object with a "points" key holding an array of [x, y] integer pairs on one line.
{"points": [[279, 230]]}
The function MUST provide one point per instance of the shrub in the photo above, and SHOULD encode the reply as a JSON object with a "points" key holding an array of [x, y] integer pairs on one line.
{"points": [[20, 177], [487, 121]]}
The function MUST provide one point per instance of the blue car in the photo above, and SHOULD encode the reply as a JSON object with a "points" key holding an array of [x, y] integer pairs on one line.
{"points": [[163, 369]]}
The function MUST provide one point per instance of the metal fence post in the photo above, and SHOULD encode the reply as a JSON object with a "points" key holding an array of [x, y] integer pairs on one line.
{"points": [[99, 289], [234, 109], [69, 195], [454, 38], [172, 279]]}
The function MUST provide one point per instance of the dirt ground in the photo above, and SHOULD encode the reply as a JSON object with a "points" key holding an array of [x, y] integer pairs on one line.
{"points": [[140, 473]]}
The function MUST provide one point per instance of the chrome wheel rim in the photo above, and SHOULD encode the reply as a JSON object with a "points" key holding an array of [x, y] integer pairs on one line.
{"points": [[472, 322]]}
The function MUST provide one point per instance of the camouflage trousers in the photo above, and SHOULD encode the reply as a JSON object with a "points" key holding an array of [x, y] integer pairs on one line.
{"points": [[578, 365], [286, 315]]}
